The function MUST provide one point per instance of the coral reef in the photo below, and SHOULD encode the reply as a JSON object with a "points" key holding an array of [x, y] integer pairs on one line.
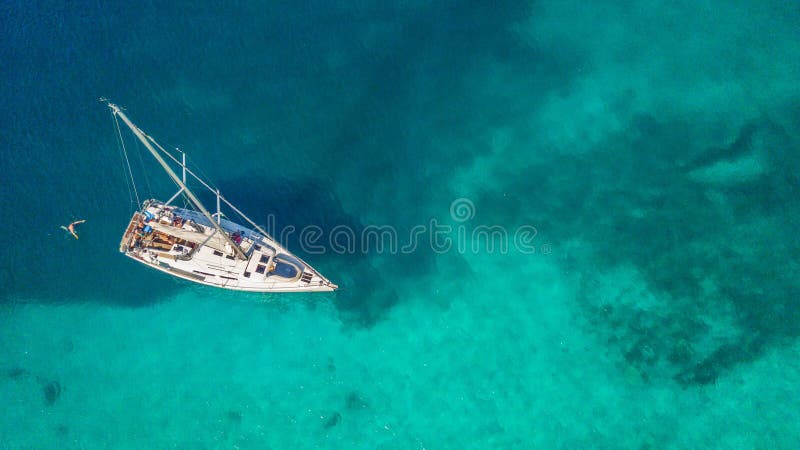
{"points": [[52, 391]]}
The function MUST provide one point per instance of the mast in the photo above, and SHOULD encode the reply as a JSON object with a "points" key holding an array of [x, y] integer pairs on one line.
{"points": [[143, 138]]}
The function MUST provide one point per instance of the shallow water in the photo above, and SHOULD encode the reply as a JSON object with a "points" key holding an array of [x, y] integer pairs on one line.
{"points": [[654, 149]]}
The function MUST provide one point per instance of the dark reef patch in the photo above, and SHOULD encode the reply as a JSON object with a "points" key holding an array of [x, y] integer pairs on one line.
{"points": [[235, 417], [16, 373], [353, 401], [696, 274], [52, 391], [330, 366], [332, 420], [709, 369]]}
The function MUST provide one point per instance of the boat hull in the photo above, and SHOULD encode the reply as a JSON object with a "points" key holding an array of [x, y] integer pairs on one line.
{"points": [[203, 280], [181, 243]]}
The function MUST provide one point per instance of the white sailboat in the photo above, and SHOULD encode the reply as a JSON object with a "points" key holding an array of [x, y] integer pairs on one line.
{"points": [[193, 244]]}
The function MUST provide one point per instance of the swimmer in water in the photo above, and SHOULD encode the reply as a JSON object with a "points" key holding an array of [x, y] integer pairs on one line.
{"points": [[71, 228]]}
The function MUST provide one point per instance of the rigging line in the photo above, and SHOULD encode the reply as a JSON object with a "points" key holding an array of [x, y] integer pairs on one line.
{"points": [[122, 160], [144, 171], [200, 169], [186, 202], [208, 185], [205, 178], [205, 182], [127, 161], [189, 171]]}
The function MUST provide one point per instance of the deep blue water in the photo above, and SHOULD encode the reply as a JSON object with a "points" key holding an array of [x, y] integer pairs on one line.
{"points": [[654, 147]]}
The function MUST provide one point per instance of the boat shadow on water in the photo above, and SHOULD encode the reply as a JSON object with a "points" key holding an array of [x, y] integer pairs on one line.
{"points": [[91, 270], [365, 292]]}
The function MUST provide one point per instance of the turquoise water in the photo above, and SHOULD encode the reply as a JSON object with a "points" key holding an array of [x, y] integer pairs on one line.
{"points": [[653, 146]]}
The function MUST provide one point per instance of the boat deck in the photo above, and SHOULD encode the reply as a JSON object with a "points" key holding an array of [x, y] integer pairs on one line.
{"points": [[182, 243]]}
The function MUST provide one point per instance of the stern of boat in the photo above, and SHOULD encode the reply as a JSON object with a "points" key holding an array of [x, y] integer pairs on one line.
{"points": [[127, 238]]}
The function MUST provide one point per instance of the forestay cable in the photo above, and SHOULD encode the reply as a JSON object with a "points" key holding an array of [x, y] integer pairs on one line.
{"points": [[127, 162]]}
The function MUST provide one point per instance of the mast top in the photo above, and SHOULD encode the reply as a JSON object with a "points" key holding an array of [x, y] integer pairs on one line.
{"points": [[114, 108]]}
